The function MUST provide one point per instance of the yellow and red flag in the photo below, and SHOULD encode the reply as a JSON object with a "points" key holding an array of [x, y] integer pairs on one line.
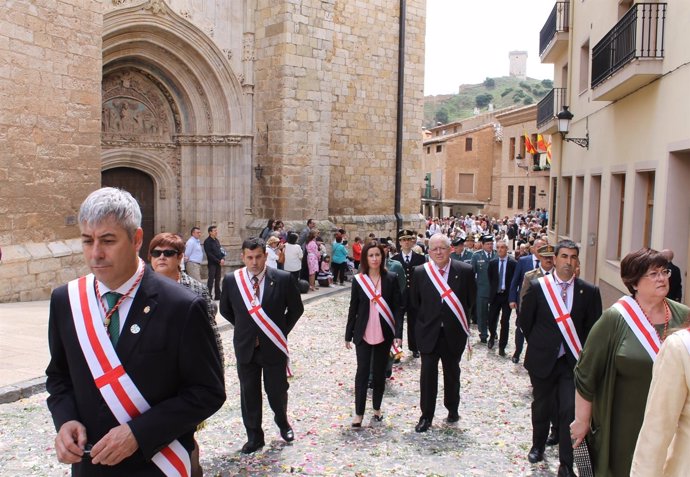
{"points": [[528, 145], [541, 144], [548, 152]]}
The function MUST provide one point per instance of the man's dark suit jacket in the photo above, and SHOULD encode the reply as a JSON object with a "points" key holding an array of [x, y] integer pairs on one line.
{"points": [[510, 265], [213, 252], [415, 260], [432, 311], [524, 265], [675, 289], [173, 360], [358, 316], [282, 303], [543, 336]]}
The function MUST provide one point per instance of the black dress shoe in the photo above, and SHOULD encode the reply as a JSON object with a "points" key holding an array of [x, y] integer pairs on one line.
{"points": [[287, 434], [452, 417], [378, 417], [415, 354], [482, 340], [552, 440], [502, 352], [535, 455], [491, 343], [423, 425], [565, 471], [515, 359], [251, 447]]}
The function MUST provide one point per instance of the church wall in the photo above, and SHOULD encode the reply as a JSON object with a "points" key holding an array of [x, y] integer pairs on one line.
{"points": [[50, 124]]}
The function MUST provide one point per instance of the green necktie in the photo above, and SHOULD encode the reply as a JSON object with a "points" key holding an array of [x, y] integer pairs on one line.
{"points": [[114, 325]]}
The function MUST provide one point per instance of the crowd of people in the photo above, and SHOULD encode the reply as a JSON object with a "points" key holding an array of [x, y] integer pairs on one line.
{"points": [[614, 382]]}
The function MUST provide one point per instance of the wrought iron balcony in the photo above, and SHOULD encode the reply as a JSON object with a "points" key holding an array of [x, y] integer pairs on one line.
{"points": [[553, 38], [638, 38], [548, 107]]}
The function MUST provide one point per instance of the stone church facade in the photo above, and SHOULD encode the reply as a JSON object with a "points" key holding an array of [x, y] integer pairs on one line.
{"points": [[209, 112]]}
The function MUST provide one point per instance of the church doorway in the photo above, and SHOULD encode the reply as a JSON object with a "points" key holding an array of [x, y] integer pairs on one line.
{"points": [[141, 186]]}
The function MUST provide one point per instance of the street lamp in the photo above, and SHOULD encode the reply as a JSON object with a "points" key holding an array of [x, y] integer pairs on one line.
{"points": [[564, 118], [518, 162], [258, 172]]}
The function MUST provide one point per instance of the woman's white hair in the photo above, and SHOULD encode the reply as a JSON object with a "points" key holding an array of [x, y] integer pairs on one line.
{"points": [[109, 202]]}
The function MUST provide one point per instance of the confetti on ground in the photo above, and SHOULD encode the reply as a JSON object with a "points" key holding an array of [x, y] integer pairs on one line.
{"points": [[492, 438]]}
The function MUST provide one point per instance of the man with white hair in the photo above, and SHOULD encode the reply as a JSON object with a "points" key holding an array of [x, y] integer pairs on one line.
{"points": [[443, 291], [134, 364]]}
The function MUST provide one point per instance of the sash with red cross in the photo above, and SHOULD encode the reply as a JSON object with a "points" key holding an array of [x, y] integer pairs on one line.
{"points": [[381, 305], [561, 314], [449, 296], [120, 393], [262, 320], [639, 325]]}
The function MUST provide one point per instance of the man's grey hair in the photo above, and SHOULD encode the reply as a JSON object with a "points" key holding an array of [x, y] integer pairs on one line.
{"points": [[442, 237], [110, 202]]}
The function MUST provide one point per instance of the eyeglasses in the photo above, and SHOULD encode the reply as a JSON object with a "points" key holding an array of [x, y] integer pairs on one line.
{"points": [[656, 274], [155, 253], [439, 249]]}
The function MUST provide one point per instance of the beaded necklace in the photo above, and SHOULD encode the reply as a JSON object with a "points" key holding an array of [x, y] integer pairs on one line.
{"points": [[111, 312], [667, 312]]}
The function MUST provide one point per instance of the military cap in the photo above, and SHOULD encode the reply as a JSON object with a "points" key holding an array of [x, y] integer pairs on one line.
{"points": [[546, 251], [407, 234], [458, 241], [486, 238]]}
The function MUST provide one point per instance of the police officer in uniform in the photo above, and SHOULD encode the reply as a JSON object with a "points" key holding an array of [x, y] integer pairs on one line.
{"points": [[409, 261], [480, 265], [460, 252]]}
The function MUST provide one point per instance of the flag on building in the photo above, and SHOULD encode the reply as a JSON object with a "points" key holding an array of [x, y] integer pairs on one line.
{"points": [[541, 144], [528, 145], [548, 151]]}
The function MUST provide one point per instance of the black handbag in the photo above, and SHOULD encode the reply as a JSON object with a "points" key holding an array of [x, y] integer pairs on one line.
{"points": [[583, 459]]}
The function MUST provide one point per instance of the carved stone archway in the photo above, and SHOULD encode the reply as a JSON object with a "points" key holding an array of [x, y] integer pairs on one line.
{"points": [[173, 107]]}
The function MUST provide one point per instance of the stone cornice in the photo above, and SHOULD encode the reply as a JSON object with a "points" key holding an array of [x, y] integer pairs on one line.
{"points": [[209, 139]]}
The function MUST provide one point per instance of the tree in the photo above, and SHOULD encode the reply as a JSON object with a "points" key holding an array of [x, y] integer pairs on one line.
{"points": [[547, 83], [483, 100], [489, 82], [441, 116], [527, 100]]}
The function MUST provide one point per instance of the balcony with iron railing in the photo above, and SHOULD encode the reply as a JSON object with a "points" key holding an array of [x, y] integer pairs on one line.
{"points": [[553, 38], [430, 193], [631, 54], [548, 108]]}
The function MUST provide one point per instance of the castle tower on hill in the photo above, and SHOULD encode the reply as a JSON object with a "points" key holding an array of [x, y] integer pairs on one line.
{"points": [[518, 64]]}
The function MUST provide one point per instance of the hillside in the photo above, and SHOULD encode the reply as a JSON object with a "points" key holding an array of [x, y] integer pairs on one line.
{"points": [[501, 92]]}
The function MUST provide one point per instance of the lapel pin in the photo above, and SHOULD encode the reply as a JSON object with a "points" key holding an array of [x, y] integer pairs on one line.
{"points": [[135, 329], [580, 292], [272, 283], [146, 310]]}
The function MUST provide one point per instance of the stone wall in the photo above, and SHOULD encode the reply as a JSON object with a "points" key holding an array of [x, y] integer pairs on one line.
{"points": [[50, 124]]}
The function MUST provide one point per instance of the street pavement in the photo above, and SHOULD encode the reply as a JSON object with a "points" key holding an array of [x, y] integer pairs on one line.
{"points": [[492, 438]]}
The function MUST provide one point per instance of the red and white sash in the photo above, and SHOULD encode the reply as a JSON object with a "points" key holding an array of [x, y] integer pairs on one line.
{"points": [[257, 313], [638, 323], [561, 314], [370, 291], [120, 393], [449, 297]]}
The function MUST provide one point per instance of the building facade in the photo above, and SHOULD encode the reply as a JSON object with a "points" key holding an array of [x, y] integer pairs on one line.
{"points": [[619, 179], [209, 112]]}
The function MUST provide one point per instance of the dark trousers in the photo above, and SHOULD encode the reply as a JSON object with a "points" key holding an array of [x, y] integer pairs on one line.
{"points": [[557, 390], [519, 337], [338, 272], [276, 386], [428, 381], [500, 305], [482, 316], [411, 332], [214, 279], [374, 357]]}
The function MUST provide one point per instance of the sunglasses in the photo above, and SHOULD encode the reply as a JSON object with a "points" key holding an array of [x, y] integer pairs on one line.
{"points": [[155, 253]]}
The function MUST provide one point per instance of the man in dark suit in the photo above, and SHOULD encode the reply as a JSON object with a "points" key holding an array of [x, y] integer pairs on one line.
{"points": [[257, 350], [442, 329], [675, 289], [550, 357], [501, 271], [409, 261], [524, 265], [139, 324], [215, 259]]}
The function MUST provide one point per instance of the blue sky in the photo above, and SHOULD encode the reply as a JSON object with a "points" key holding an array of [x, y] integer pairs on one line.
{"points": [[468, 40]]}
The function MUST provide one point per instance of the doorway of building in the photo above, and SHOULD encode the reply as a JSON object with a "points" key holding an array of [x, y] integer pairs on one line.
{"points": [[141, 186]]}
